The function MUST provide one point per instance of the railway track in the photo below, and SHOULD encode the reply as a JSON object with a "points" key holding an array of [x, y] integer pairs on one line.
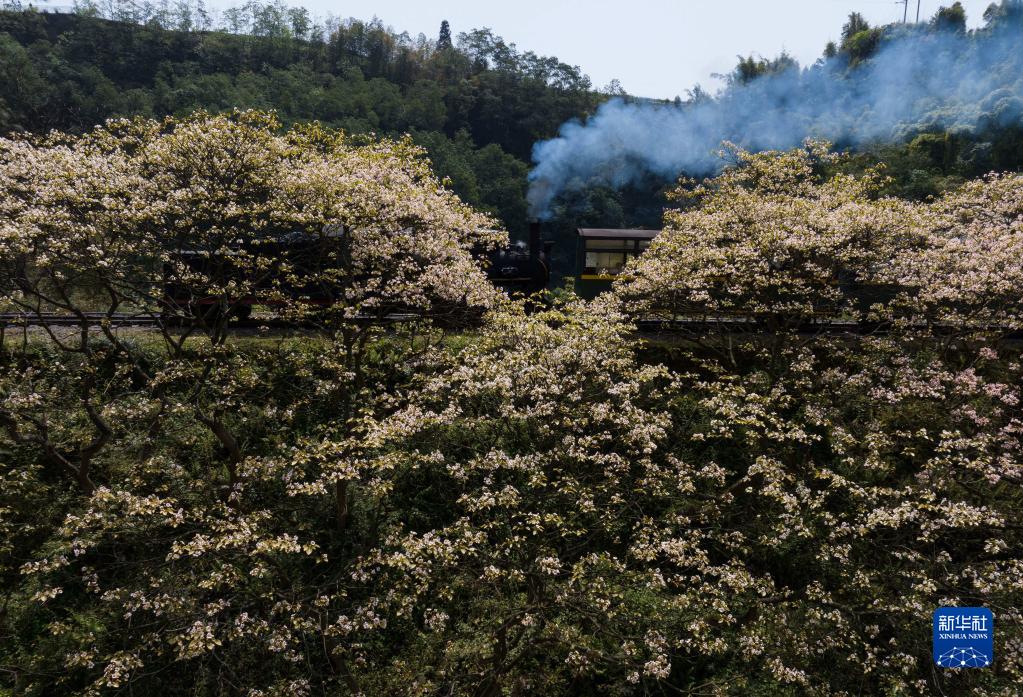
{"points": [[130, 319], [739, 325], [53, 319], [645, 327]]}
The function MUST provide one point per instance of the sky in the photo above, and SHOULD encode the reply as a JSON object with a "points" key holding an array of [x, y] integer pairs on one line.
{"points": [[656, 48]]}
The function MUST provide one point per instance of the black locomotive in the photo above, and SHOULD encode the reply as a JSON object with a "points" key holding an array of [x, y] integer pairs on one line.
{"points": [[523, 268]]}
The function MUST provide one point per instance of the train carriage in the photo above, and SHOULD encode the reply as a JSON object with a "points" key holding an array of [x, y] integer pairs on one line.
{"points": [[601, 256]]}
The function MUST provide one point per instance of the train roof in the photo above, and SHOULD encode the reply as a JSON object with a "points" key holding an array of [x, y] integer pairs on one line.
{"points": [[618, 233]]}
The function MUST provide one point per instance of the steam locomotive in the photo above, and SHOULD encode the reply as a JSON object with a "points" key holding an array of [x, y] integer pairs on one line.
{"points": [[523, 268]]}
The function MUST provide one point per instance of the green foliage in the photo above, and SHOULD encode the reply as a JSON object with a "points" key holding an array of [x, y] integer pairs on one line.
{"points": [[856, 24], [1005, 14], [862, 45], [951, 18], [492, 178], [444, 37], [750, 68], [71, 72]]}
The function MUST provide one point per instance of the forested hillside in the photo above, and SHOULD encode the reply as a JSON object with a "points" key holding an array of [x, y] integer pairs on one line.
{"points": [[479, 105], [474, 101]]}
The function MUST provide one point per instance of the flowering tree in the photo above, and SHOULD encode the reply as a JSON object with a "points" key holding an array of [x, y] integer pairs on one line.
{"points": [[103, 223], [161, 433], [542, 536], [868, 475], [780, 240], [967, 272], [869, 481], [772, 239]]}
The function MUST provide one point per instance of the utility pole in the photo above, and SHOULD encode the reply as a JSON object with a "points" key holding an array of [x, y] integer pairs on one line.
{"points": [[918, 11], [905, 10]]}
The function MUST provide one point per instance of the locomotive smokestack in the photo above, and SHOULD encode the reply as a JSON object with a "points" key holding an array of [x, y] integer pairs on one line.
{"points": [[534, 240]]}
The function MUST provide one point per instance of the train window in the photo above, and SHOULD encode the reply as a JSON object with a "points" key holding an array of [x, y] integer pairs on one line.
{"points": [[605, 262], [608, 256]]}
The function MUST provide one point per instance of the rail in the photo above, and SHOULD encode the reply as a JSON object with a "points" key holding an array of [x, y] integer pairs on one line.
{"points": [[692, 326]]}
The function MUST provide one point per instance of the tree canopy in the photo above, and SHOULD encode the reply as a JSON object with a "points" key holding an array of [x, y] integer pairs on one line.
{"points": [[546, 505]]}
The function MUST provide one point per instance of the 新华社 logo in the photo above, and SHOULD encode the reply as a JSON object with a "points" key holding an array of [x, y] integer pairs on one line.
{"points": [[964, 637]]}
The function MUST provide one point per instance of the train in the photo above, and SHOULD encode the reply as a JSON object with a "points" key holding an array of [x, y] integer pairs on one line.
{"points": [[521, 268]]}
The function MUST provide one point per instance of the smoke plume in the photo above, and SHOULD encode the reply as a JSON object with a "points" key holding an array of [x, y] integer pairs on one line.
{"points": [[920, 80]]}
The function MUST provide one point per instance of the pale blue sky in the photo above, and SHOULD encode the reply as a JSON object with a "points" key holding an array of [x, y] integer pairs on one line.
{"points": [[657, 48]]}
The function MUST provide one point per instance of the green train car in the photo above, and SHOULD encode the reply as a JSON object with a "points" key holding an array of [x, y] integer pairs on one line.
{"points": [[601, 255]]}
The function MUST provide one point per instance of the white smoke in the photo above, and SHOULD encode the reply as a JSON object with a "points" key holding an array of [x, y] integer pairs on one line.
{"points": [[920, 80]]}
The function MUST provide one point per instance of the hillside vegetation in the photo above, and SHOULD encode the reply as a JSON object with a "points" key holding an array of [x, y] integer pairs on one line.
{"points": [[541, 505], [937, 103], [476, 102]]}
